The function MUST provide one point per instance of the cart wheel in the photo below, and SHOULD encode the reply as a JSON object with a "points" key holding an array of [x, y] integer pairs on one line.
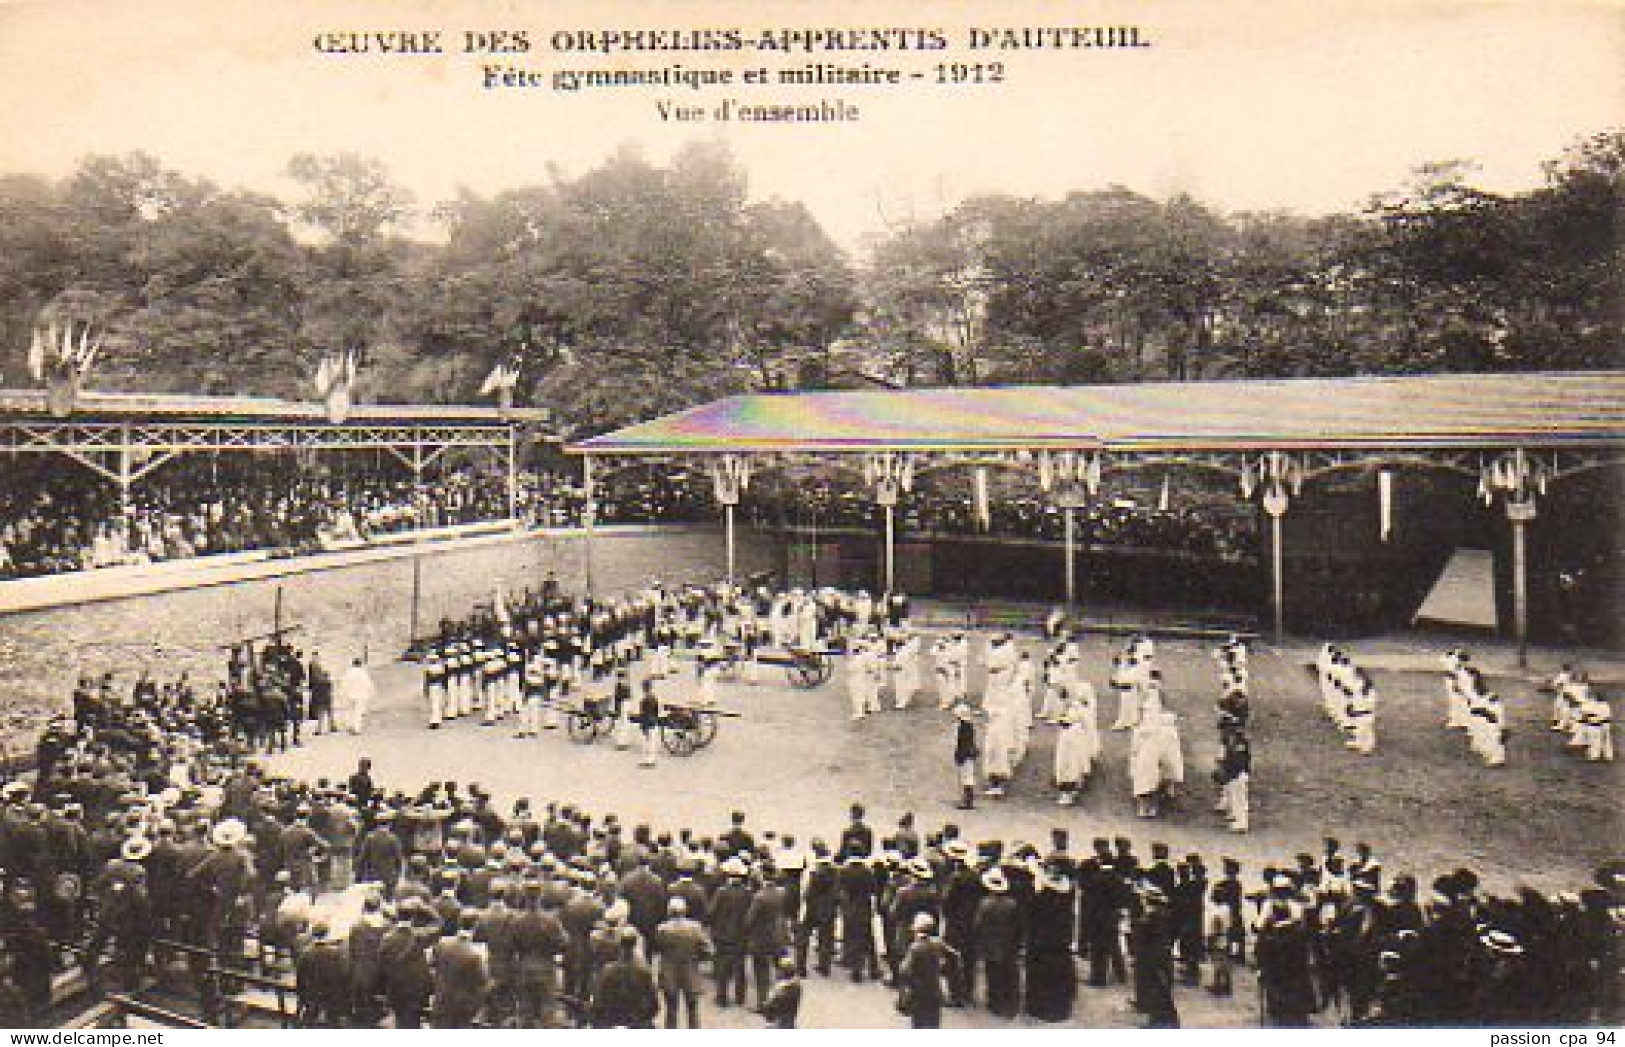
{"points": [[705, 729], [678, 739], [809, 670], [583, 726]]}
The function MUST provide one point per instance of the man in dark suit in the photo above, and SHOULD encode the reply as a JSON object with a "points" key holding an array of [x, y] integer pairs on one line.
{"points": [[928, 968], [766, 932], [730, 907], [461, 979], [681, 945], [625, 996], [998, 945], [323, 981]]}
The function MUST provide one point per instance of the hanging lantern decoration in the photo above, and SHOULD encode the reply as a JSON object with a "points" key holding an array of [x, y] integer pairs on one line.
{"points": [[1279, 474], [1516, 475], [891, 474], [730, 478]]}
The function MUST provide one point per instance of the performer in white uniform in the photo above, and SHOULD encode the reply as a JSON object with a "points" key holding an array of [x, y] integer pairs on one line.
{"points": [[1076, 749], [356, 692], [1595, 727], [1156, 762], [1455, 663]]}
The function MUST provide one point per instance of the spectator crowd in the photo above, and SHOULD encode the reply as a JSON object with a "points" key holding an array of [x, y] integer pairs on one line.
{"points": [[149, 821]]}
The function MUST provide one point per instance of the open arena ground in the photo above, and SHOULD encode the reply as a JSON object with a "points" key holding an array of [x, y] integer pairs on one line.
{"points": [[794, 760]]}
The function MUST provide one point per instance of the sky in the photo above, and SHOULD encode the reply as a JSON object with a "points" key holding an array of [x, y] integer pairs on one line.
{"points": [[1308, 106]]}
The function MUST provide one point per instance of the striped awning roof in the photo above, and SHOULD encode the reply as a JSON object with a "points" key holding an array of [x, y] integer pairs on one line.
{"points": [[1412, 412]]}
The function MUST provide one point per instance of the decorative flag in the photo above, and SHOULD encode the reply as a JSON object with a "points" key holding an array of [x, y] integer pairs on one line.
{"points": [[980, 507], [36, 355], [1385, 503]]}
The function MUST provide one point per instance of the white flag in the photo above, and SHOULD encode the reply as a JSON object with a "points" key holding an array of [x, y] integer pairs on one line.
{"points": [[1385, 503]]}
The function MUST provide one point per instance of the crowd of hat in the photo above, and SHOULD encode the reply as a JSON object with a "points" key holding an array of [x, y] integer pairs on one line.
{"points": [[1189, 530], [435, 903], [58, 520]]}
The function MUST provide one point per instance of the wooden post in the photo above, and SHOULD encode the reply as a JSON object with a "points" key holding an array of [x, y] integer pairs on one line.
{"points": [[590, 511], [1069, 516], [1275, 503], [417, 592], [1277, 579], [891, 547], [1520, 513], [125, 468], [728, 536], [513, 477]]}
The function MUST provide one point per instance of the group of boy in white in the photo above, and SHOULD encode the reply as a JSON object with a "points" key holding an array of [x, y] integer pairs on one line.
{"points": [[1580, 711], [1472, 707], [1133, 670], [1156, 761], [880, 661], [1008, 705], [1349, 698]]}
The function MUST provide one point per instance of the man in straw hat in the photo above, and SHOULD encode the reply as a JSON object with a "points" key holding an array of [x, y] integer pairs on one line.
{"points": [[998, 944]]}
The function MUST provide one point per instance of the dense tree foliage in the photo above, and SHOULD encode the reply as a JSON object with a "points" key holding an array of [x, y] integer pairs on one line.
{"points": [[634, 289]]}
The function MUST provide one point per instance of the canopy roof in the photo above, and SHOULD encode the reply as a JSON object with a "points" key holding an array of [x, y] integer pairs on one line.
{"points": [[18, 405], [1426, 411]]}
